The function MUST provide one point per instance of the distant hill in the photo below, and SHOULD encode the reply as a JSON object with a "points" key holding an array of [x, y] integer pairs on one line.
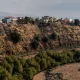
{"points": [[3, 14]]}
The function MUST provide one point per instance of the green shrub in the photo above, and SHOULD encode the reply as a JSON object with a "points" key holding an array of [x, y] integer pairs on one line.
{"points": [[70, 57], [44, 39], [17, 67], [53, 36], [57, 56], [38, 59], [9, 60], [15, 37], [50, 63], [35, 44], [43, 64], [17, 76], [14, 68], [37, 38], [26, 65], [77, 54], [4, 74], [22, 61], [7, 66], [42, 55], [50, 53], [33, 63], [29, 73], [76, 22]]}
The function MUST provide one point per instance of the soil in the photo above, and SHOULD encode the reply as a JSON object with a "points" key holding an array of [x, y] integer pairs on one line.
{"points": [[69, 71]]}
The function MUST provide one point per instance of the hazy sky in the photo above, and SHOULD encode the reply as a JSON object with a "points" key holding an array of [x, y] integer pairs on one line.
{"points": [[59, 8]]}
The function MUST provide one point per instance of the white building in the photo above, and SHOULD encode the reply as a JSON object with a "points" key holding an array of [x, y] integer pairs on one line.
{"points": [[70, 20], [47, 19], [14, 20], [0, 20]]}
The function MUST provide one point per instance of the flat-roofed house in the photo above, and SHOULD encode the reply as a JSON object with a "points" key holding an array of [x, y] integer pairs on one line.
{"points": [[45, 19], [7, 19], [14, 20]]}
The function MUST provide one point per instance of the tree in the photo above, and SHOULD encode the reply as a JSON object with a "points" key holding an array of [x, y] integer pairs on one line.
{"points": [[38, 59], [7, 66], [77, 56], [29, 73], [34, 44], [45, 39], [29, 19], [4, 74], [33, 63], [26, 64], [43, 64], [17, 76], [15, 37], [53, 36], [9, 60], [37, 20], [70, 57], [37, 38], [58, 57], [17, 67], [26, 19], [49, 53], [76, 22], [42, 55], [22, 61]]}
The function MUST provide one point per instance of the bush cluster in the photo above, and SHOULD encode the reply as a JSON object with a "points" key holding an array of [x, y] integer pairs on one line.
{"points": [[35, 42], [44, 39], [13, 68]]}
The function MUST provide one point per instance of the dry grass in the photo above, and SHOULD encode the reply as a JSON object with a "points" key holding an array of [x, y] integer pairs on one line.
{"points": [[28, 31], [70, 72], [40, 76]]}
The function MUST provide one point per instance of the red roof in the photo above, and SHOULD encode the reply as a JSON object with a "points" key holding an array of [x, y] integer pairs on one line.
{"points": [[9, 17]]}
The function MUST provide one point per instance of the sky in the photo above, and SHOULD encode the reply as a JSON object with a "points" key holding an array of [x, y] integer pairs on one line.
{"points": [[57, 8]]}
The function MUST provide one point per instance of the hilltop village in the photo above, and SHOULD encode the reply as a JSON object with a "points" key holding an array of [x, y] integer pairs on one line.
{"points": [[43, 20]]}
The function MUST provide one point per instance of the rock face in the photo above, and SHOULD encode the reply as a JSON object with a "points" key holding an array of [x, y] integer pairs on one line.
{"points": [[67, 37]]}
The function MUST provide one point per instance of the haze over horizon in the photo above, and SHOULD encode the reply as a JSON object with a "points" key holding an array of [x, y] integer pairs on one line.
{"points": [[57, 8]]}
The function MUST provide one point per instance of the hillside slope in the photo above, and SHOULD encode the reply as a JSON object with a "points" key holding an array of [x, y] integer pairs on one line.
{"points": [[67, 37]]}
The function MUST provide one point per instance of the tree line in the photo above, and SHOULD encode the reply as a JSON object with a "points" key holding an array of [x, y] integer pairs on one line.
{"points": [[14, 68]]}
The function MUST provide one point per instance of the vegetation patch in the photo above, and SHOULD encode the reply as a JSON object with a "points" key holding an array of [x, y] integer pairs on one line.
{"points": [[53, 36], [15, 37], [13, 68], [44, 39], [34, 44]]}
